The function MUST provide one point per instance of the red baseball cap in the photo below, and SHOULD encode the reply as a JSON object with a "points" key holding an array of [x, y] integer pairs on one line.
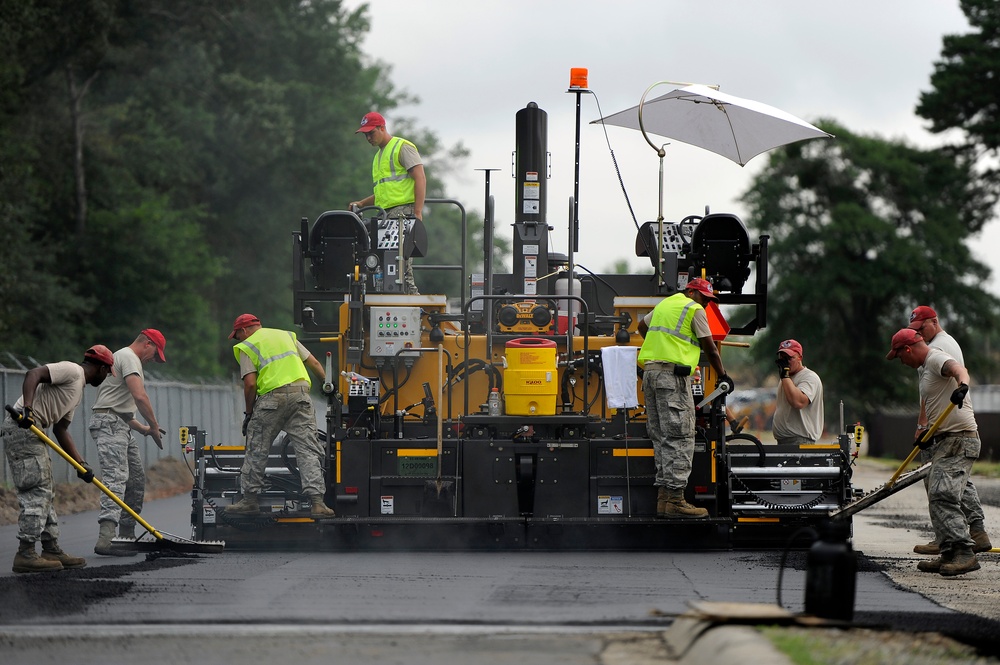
{"points": [[921, 314], [242, 321], [370, 122], [101, 354], [702, 286], [904, 337], [790, 347], [159, 341]]}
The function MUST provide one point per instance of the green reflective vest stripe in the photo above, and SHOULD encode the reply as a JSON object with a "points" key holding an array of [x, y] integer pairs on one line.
{"points": [[275, 356], [670, 337], [392, 184]]}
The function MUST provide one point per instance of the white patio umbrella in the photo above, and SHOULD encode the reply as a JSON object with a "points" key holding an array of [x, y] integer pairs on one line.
{"points": [[736, 128]]}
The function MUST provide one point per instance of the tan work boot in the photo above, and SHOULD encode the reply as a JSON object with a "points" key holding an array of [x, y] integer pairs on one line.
{"points": [[52, 552], [982, 540], [104, 538], [932, 547], [248, 505], [676, 506], [933, 565], [319, 508], [27, 560], [962, 561], [661, 503]]}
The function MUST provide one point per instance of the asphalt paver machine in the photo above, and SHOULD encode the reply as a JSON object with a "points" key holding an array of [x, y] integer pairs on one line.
{"points": [[483, 422]]}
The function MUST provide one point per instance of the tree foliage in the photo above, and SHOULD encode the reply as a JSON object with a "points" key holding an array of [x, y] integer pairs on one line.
{"points": [[861, 231], [156, 156], [964, 82]]}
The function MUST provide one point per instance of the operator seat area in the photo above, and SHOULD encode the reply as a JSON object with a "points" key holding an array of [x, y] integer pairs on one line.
{"points": [[337, 242], [720, 244]]}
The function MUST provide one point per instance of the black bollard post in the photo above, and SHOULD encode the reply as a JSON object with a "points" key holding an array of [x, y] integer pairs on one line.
{"points": [[831, 573]]}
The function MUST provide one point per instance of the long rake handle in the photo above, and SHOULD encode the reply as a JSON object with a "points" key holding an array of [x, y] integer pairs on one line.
{"points": [[79, 467], [916, 448]]}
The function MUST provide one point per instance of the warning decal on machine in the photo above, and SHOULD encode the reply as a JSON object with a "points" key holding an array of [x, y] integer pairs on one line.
{"points": [[387, 505], [609, 505]]}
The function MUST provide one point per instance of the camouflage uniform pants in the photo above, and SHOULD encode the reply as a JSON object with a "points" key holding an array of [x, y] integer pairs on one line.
{"points": [[31, 471], [121, 468], [409, 286], [288, 408], [951, 464], [670, 421], [971, 505]]}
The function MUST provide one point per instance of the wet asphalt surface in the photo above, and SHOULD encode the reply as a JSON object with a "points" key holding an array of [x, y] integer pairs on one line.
{"points": [[551, 600]]}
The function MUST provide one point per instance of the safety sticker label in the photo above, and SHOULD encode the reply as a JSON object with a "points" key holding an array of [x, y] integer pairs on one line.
{"points": [[531, 190], [387, 508], [609, 505], [208, 517]]}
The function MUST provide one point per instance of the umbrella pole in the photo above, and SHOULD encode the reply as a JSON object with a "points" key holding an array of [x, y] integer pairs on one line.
{"points": [[659, 220]]}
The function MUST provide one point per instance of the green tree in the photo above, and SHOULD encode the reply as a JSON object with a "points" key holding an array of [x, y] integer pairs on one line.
{"points": [[861, 230], [964, 94]]}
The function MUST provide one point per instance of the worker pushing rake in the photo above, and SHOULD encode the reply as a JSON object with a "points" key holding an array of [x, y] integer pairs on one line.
{"points": [[161, 542]]}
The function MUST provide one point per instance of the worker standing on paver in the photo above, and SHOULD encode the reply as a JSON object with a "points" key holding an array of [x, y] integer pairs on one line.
{"points": [[925, 321], [953, 449], [675, 334]]}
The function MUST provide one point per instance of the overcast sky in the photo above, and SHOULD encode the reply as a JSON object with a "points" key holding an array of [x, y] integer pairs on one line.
{"points": [[475, 63]]}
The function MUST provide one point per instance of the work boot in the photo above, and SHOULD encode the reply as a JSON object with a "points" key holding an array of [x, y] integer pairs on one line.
{"points": [[248, 505], [932, 547], [661, 503], [934, 565], [52, 552], [676, 506], [126, 531], [104, 538], [982, 540], [27, 560], [319, 508], [962, 561]]}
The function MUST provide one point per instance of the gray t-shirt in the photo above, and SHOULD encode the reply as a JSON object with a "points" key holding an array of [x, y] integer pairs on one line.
{"points": [[805, 422], [59, 399], [114, 393], [935, 393]]}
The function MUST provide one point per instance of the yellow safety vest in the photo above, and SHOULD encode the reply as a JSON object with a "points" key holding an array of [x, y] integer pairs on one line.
{"points": [[670, 337], [392, 184], [275, 356]]}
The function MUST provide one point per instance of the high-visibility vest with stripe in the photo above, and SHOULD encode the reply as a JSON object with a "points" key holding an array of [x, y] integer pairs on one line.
{"points": [[275, 356], [392, 184], [670, 337]]}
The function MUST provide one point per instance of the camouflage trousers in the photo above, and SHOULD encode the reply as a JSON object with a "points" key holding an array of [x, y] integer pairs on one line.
{"points": [[972, 507], [951, 464], [670, 421], [287, 408], [409, 286], [31, 471], [121, 468]]}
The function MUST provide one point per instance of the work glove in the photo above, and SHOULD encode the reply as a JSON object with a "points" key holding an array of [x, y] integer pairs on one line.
{"points": [[27, 418], [784, 365], [726, 379], [922, 444], [87, 475], [246, 421], [958, 395]]}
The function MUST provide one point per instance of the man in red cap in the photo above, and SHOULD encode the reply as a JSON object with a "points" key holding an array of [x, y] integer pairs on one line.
{"points": [[276, 392], [49, 397], [398, 180], [675, 334], [799, 416], [111, 426], [953, 448], [924, 320]]}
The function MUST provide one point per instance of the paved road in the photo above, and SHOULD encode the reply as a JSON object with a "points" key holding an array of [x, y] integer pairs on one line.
{"points": [[519, 607]]}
